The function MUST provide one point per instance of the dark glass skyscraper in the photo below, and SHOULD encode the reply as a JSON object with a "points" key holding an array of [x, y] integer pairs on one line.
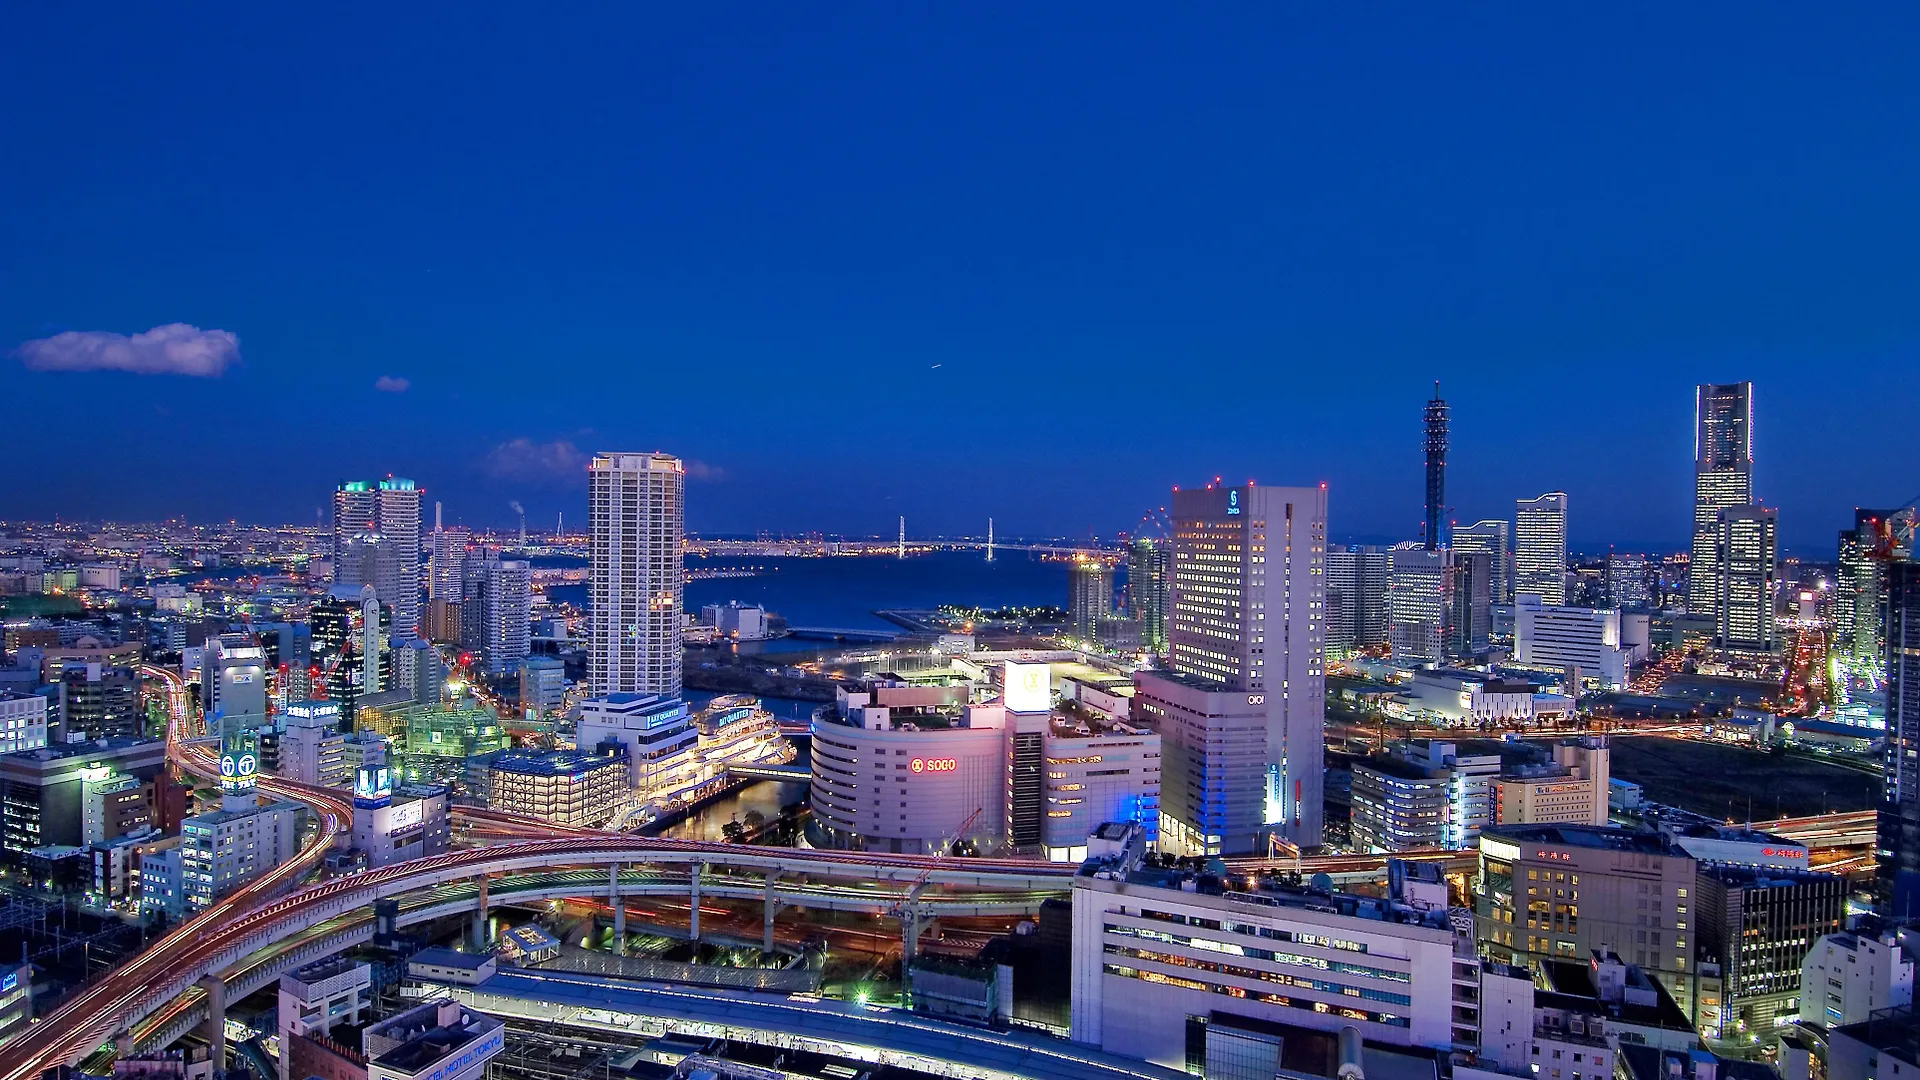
{"points": [[1437, 414]]}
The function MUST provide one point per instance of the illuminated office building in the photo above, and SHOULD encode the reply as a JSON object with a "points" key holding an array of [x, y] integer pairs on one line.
{"points": [[1540, 547], [351, 647], [1149, 573], [233, 680], [637, 506], [1627, 582], [1489, 538], [1242, 705], [1419, 602], [449, 554], [1746, 556], [1722, 478]]}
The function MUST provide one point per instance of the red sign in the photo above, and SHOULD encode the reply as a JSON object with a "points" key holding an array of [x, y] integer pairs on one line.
{"points": [[1782, 853], [935, 764]]}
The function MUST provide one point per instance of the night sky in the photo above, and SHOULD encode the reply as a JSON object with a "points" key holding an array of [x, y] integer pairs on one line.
{"points": [[860, 260]]}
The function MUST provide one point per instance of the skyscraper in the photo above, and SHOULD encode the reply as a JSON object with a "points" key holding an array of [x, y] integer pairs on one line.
{"points": [[351, 647], [388, 508], [1899, 839], [496, 604], [637, 507], [1356, 590], [1470, 622], [1490, 538], [1722, 478], [1540, 547], [1627, 586], [443, 573], [1858, 589], [1419, 602], [1149, 569], [1242, 707], [1746, 553], [1436, 418], [1091, 596]]}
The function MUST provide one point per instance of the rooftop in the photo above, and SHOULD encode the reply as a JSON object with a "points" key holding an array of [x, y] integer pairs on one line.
{"points": [[1596, 837], [450, 958], [553, 762], [1212, 879]]}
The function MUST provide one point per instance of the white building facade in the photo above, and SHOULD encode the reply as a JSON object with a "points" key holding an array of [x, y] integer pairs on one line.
{"points": [[637, 507]]}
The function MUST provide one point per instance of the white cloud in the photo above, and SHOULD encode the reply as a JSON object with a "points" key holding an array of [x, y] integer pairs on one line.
{"points": [[392, 384], [524, 459], [173, 349]]}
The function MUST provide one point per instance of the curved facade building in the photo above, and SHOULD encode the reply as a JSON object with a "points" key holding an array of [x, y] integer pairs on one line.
{"points": [[908, 789]]}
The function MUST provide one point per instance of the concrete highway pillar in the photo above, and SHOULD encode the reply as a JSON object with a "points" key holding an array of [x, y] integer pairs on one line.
{"points": [[693, 923], [773, 906], [124, 1045], [619, 911], [214, 1027], [480, 918], [909, 929]]}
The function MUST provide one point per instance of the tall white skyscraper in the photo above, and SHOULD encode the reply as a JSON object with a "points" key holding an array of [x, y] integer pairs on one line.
{"points": [[1722, 478], [509, 612], [1746, 553], [388, 508], [637, 507], [1242, 708], [1489, 538], [1540, 547]]}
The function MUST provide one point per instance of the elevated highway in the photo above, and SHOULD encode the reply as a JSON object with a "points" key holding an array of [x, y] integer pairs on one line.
{"points": [[224, 937]]}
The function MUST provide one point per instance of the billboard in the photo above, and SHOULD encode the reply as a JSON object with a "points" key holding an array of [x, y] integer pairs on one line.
{"points": [[373, 784], [1029, 688], [239, 763]]}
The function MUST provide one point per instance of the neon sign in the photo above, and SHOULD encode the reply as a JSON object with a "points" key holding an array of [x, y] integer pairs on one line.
{"points": [[938, 764], [1233, 502]]}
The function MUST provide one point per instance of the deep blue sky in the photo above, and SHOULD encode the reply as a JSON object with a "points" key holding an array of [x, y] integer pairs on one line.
{"points": [[1142, 245]]}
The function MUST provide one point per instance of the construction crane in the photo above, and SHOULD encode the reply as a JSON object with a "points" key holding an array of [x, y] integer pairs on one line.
{"points": [[1893, 534], [921, 881], [907, 909]]}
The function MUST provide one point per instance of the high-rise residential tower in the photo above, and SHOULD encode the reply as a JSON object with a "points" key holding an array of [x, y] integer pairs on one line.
{"points": [[389, 509], [443, 575], [1149, 569], [1242, 706], [637, 508], [1746, 554], [1858, 589], [1489, 538], [1091, 596], [1722, 478], [1436, 418], [1540, 547]]}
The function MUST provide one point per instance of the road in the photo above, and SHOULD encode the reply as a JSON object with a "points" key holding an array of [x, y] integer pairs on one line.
{"points": [[89, 1017]]}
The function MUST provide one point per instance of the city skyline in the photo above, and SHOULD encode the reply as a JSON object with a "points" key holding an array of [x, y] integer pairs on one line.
{"points": [[1417, 200]]}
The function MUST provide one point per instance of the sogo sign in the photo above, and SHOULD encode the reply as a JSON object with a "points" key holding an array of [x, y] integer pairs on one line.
{"points": [[934, 764]]}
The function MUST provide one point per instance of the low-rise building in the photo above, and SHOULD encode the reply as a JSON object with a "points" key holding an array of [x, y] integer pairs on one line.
{"points": [[543, 686], [1848, 977], [578, 789], [656, 731], [23, 721], [1570, 791], [1465, 696], [224, 849], [1758, 925], [314, 1000], [1163, 954], [394, 824], [43, 792], [1424, 795], [440, 1039]]}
